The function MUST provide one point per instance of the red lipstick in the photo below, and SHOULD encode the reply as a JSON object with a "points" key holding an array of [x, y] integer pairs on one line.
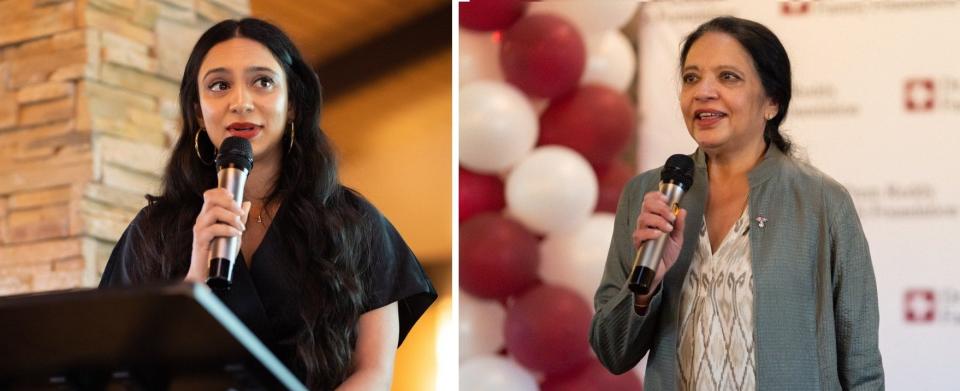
{"points": [[245, 130]]}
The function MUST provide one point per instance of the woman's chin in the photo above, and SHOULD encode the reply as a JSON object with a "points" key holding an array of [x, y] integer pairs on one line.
{"points": [[709, 143]]}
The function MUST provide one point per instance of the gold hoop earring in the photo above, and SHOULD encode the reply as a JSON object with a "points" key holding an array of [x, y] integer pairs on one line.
{"points": [[196, 146], [293, 133]]}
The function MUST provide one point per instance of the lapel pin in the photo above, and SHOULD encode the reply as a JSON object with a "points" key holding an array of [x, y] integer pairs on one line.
{"points": [[761, 221]]}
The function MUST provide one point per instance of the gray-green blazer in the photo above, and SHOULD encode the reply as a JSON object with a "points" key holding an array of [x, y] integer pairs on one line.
{"points": [[815, 296]]}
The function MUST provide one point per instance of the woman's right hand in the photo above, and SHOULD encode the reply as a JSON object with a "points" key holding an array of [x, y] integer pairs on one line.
{"points": [[656, 218], [219, 216]]}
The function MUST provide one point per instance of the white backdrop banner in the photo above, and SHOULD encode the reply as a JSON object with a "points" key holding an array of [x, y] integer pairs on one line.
{"points": [[876, 105]]}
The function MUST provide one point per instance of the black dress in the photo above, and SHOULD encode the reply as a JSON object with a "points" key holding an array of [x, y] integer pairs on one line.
{"points": [[269, 306]]}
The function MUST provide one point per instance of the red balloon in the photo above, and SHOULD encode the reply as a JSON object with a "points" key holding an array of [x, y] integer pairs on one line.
{"points": [[543, 55], [498, 256], [594, 120], [547, 329], [593, 377], [479, 193], [490, 15], [611, 182]]}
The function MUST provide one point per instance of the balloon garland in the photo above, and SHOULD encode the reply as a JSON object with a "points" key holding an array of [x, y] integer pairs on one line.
{"points": [[544, 122]]}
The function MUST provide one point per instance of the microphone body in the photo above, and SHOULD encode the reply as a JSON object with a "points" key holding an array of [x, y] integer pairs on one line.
{"points": [[234, 161], [648, 258], [223, 250], [675, 180]]}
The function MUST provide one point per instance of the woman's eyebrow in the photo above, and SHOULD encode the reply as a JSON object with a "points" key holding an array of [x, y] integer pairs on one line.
{"points": [[716, 68], [215, 70], [255, 69], [727, 67], [252, 69]]}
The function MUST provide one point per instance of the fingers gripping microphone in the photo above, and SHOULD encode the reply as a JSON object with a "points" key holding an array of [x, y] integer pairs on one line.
{"points": [[234, 162], [675, 179]]}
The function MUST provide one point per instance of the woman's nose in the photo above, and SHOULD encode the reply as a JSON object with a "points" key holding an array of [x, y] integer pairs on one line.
{"points": [[705, 90], [241, 101]]}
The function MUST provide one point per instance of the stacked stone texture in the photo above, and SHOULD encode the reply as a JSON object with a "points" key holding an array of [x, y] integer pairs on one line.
{"points": [[88, 112]]}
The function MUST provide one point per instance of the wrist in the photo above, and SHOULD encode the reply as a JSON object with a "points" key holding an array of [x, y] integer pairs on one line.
{"points": [[194, 275], [640, 309], [641, 303]]}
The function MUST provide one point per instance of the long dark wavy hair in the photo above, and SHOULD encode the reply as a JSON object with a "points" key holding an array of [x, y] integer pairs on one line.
{"points": [[769, 58], [319, 210]]}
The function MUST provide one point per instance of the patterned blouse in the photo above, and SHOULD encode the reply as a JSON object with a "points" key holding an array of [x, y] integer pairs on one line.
{"points": [[716, 344]]}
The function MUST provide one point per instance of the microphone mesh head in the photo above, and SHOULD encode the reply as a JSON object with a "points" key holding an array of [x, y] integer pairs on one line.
{"points": [[679, 170], [235, 151]]}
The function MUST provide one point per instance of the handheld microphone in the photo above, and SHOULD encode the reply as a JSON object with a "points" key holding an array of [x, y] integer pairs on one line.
{"points": [[234, 162], [675, 179]]}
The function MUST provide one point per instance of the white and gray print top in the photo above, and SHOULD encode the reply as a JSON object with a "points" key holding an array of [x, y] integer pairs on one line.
{"points": [[716, 344]]}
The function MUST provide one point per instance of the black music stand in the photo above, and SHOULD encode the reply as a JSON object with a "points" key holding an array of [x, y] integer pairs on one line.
{"points": [[172, 337]]}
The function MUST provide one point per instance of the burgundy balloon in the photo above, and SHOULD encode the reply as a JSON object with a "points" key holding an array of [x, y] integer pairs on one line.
{"points": [[479, 193], [594, 120], [611, 182], [543, 55], [498, 256], [547, 329], [593, 377], [490, 15]]}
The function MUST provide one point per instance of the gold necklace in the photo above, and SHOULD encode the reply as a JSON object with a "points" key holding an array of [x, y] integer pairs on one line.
{"points": [[260, 215]]}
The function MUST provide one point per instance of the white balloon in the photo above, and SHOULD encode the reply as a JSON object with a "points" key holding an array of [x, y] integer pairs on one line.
{"points": [[554, 189], [481, 326], [575, 259], [486, 373], [611, 61], [498, 126], [479, 57], [589, 16]]}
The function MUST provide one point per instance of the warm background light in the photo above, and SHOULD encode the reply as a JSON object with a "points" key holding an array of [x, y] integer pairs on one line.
{"points": [[394, 139], [447, 362]]}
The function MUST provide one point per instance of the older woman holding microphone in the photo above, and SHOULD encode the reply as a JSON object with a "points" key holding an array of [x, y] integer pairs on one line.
{"points": [[765, 279]]}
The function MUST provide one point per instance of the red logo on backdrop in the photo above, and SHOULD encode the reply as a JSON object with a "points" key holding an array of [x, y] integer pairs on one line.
{"points": [[919, 94], [919, 305], [794, 7]]}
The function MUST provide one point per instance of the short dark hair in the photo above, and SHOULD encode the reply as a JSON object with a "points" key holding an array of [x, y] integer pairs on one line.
{"points": [[769, 58]]}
